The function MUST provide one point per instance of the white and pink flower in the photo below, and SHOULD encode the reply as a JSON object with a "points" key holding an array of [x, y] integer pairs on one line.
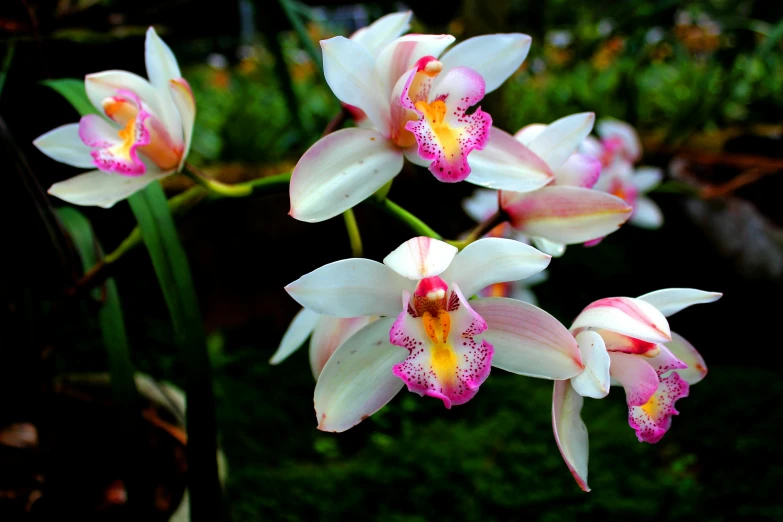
{"points": [[618, 150], [430, 336], [627, 341], [142, 134], [410, 100]]}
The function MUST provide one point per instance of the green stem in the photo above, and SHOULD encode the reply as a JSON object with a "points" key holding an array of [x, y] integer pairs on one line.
{"points": [[178, 205], [353, 233], [239, 190], [9, 56], [301, 32], [481, 230], [399, 213]]}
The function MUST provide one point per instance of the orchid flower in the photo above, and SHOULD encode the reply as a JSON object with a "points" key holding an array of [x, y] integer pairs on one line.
{"points": [[567, 210], [618, 150], [414, 106], [143, 133], [627, 341], [430, 337], [326, 335]]}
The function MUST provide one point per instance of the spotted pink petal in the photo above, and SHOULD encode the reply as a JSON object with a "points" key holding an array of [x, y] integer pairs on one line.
{"points": [[116, 151], [445, 133], [451, 371], [639, 379], [654, 418], [665, 361]]}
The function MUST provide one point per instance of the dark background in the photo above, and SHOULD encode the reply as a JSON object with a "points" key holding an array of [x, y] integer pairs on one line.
{"points": [[495, 458]]}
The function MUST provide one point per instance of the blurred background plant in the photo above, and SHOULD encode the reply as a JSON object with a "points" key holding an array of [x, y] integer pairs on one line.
{"points": [[703, 83]]}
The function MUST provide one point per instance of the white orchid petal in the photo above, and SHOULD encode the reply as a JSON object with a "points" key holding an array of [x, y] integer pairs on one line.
{"points": [[527, 340], [102, 189], [495, 260], [102, 85], [357, 380], [351, 288], [349, 70], [162, 67], [570, 430], [614, 129], [329, 334], [383, 31], [402, 54], [562, 137], [341, 170], [625, 315], [549, 247], [297, 333], [646, 214], [183, 98], [647, 178], [64, 145], [669, 301], [594, 381], [481, 205], [684, 351], [494, 56], [506, 164], [421, 257]]}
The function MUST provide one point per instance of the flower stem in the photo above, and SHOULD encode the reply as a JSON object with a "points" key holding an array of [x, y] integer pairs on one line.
{"points": [[481, 230], [399, 213], [353, 233], [239, 190], [178, 205]]}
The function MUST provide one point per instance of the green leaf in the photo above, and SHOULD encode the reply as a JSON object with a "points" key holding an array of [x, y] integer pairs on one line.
{"points": [[73, 91], [171, 266], [121, 371]]}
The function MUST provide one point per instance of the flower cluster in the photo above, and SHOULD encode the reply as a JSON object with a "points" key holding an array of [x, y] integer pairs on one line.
{"points": [[435, 316]]}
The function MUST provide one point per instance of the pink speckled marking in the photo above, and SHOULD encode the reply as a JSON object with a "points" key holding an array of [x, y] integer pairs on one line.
{"points": [[665, 361], [653, 419], [445, 133], [473, 360]]}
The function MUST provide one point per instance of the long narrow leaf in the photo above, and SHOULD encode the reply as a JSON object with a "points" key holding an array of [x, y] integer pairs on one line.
{"points": [[171, 266], [73, 91], [121, 371]]}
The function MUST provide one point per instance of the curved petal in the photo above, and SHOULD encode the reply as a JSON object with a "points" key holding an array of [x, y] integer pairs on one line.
{"points": [[647, 178], [64, 145], [329, 334], [665, 361], [403, 53], [339, 171], [350, 288], [349, 70], [594, 380], [610, 129], [567, 215], [646, 214], [654, 418], [579, 170], [549, 247], [570, 430], [116, 151], [527, 340], [669, 301], [162, 67], [103, 85], [616, 342], [506, 164], [445, 133], [685, 352], [494, 260], [625, 315], [186, 105], [421, 257], [383, 31], [561, 138], [635, 375], [481, 205], [297, 333], [101, 189], [357, 380], [494, 56]]}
